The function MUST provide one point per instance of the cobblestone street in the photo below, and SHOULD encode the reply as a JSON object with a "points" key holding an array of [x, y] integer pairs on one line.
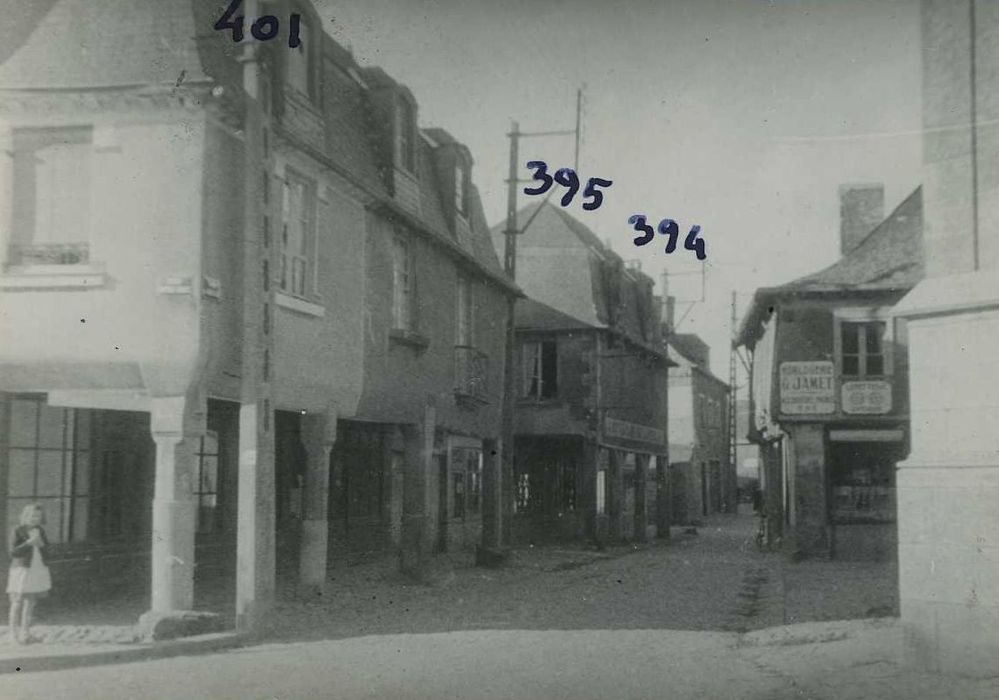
{"points": [[715, 579]]}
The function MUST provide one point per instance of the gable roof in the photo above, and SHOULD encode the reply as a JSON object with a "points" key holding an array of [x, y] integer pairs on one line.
{"points": [[533, 315], [889, 259]]}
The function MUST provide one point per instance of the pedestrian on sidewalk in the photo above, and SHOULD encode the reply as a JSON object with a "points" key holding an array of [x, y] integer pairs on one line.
{"points": [[28, 578]]}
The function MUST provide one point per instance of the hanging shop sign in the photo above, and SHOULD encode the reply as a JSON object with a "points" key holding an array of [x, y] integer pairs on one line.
{"points": [[807, 388], [866, 397]]}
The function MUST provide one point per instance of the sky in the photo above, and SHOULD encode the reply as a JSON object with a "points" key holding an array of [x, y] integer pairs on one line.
{"points": [[741, 116]]}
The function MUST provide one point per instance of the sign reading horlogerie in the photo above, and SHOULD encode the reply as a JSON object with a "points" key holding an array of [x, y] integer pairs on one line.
{"points": [[807, 388]]}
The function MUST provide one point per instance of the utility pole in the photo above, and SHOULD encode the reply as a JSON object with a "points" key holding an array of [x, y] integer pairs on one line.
{"points": [[732, 402]]}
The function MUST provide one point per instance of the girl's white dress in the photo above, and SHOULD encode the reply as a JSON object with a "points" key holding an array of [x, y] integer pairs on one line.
{"points": [[30, 579]]}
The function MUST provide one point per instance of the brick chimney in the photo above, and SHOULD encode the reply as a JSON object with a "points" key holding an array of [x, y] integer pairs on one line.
{"points": [[861, 208]]}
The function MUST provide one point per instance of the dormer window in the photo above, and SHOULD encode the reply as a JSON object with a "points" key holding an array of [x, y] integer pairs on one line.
{"points": [[405, 132], [460, 189], [300, 70]]}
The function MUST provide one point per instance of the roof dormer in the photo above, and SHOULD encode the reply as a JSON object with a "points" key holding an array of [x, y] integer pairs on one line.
{"points": [[453, 167], [396, 136]]}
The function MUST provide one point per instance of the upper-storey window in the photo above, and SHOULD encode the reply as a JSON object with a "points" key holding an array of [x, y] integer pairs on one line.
{"points": [[460, 189], [402, 284], [405, 136], [297, 239], [862, 346], [51, 207], [300, 62], [540, 370]]}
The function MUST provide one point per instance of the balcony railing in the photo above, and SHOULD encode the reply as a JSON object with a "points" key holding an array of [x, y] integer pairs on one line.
{"points": [[49, 254], [471, 372]]}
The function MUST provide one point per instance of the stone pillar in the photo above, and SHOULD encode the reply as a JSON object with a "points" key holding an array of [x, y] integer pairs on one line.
{"points": [[615, 495], [255, 516], [662, 497], [641, 505], [318, 436], [811, 509], [417, 533], [176, 423]]}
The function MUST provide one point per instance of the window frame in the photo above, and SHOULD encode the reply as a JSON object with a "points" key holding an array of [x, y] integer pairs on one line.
{"points": [[308, 221], [529, 391], [305, 49], [26, 142], [464, 312], [73, 488], [198, 492], [864, 317], [461, 189], [403, 284], [406, 135]]}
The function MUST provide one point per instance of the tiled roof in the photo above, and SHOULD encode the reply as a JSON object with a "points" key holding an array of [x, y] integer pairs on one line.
{"points": [[889, 259]]}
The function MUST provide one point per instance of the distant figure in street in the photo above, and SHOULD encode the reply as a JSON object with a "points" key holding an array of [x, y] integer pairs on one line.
{"points": [[29, 578]]}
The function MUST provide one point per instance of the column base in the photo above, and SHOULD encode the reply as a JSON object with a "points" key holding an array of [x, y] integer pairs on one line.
{"points": [[156, 625]]}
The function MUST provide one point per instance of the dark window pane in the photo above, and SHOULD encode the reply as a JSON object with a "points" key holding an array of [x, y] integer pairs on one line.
{"points": [[52, 426], [23, 423], [850, 338], [875, 364], [50, 476], [851, 365], [21, 478], [875, 334]]}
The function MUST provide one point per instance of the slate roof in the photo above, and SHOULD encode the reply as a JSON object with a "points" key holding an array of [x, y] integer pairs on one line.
{"points": [[889, 259], [533, 315], [86, 45]]}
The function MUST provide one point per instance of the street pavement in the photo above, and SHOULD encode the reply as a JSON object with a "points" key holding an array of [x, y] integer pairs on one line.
{"points": [[704, 616]]}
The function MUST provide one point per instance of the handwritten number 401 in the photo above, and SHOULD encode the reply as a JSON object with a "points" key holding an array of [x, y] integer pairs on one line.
{"points": [[669, 228], [567, 178], [263, 29]]}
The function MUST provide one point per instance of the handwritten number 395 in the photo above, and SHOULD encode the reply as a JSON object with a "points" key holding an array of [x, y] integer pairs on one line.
{"points": [[568, 178], [670, 229]]}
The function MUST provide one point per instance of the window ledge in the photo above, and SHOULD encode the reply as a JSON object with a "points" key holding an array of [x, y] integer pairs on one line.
{"points": [[411, 338], [53, 277], [301, 306]]}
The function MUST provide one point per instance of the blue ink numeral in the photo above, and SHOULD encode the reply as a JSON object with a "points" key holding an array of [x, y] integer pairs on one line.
{"points": [[541, 173], [694, 243], [226, 21], [638, 221], [591, 191], [294, 34], [261, 34], [668, 227], [567, 178]]}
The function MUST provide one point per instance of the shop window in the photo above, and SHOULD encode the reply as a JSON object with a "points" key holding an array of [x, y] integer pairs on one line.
{"points": [[540, 361], [523, 492], [297, 237], [207, 487], [475, 485], [458, 494], [862, 349], [49, 459], [52, 179]]}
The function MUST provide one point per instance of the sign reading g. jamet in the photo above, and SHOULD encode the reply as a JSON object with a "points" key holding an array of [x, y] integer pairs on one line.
{"points": [[807, 388]]}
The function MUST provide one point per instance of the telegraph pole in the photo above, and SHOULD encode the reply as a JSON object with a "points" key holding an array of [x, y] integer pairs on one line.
{"points": [[732, 405]]}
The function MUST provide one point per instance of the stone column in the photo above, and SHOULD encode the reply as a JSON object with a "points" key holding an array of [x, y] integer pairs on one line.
{"points": [[318, 436], [255, 531], [662, 497], [176, 423], [641, 506], [615, 495], [811, 508], [417, 534]]}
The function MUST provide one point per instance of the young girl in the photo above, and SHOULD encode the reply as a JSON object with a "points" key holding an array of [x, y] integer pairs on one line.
{"points": [[29, 577]]}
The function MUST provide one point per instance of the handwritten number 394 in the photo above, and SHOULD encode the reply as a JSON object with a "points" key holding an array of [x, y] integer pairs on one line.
{"points": [[669, 228], [567, 178]]}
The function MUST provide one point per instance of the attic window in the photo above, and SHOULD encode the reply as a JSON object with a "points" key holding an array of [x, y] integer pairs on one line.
{"points": [[460, 189], [405, 129]]}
